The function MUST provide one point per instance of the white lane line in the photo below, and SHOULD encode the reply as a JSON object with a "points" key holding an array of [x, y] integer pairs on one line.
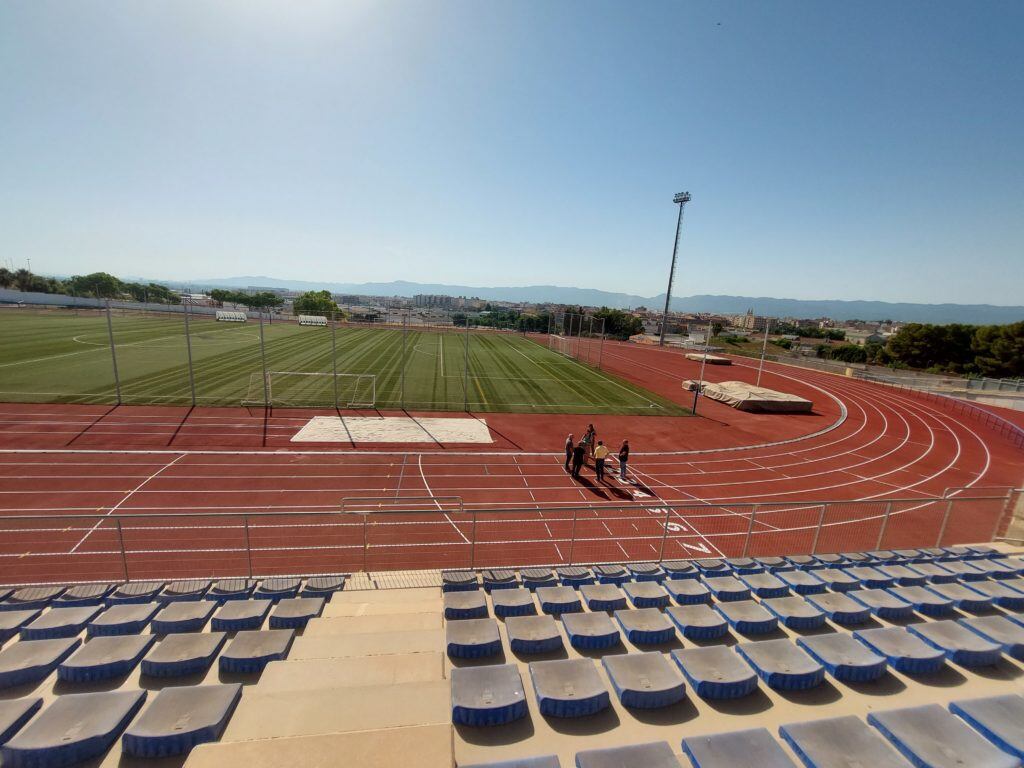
{"points": [[117, 506], [431, 493]]}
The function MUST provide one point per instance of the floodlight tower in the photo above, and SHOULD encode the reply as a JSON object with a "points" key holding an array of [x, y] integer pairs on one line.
{"points": [[681, 200]]}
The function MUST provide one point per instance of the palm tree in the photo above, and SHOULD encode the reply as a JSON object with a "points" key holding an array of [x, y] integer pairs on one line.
{"points": [[6, 277], [23, 280]]}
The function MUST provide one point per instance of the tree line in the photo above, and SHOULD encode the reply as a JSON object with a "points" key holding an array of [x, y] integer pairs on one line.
{"points": [[98, 285]]}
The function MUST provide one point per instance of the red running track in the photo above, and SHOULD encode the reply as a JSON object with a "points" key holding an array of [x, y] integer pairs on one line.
{"points": [[864, 445]]}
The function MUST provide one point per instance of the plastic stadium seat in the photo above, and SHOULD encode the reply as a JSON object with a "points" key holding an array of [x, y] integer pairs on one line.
{"points": [[765, 585], [794, 612], [743, 565], [127, 619], [688, 591], [277, 589], [904, 651], [558, 600], [964, 571], [537, 577], [961, 645], [740, 749], [183, 616], [574, 576], [11, 622], [472, 638], [698, 622], [830, 560], [902, 574], [802, 582], [590, 631], [611, 574], [179, 719], [996, 569], [748, 617], [958, 553], [231, 589], [870, 578], [711, 565], [657, 754], [910, 555], [782, 665], [837, 580], [934, 573], [648, 594], [645, 572], [541, 761], [190, 589], [997, 718], [458, 581], [568, 688], [883, 603], [489, 695], [1014, 563], [1017, 585], [645, 680], [805, 562], [1000, 630], [883, 555], [923, 600], [239, 615], [858, 558], [645, 626], [252, 651], [469, 604], [933, 552], [715, 672], [679, 569], [82, 595], [964, 598], [59, 622], [839, 741], [513, 602], [499, 579], [104, 658], [31, 597], [31, 660], [184, 654], [774, 564], [135, 592], [840, 608], [844, 658], [296, 612], [14, 713], [727, 588], [931, 736], [323, 586], [5, 592], [984, 550], [603, 597], [533, 634], [74, 728], [1000, 593]]}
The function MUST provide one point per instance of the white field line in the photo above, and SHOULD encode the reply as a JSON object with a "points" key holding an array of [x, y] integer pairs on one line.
{"points": [[431, 493]]}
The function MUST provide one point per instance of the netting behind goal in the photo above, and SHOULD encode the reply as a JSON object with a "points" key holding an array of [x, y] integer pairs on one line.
{"points": [[560, 344], [304, 389]]}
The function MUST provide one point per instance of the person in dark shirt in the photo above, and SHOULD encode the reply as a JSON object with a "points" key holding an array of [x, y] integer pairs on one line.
{"points": [[623, 459], [578, 454]]}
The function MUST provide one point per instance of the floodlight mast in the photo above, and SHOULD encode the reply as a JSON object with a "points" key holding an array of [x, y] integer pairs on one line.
{"points": [[680, 199]]}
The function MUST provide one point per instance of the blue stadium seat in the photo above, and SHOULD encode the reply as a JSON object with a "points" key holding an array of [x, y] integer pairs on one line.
{"points": [[924, 601], [782, 665], [323, 586], [251, 651], [844, 658], [754, 748], [870, 578], [11, 622], [961, 645], [611, 574], [472, 638], [688, 591], [837, 580], [183, 654], [459, 581], [277, 589], [934, 573], [997, 718], [533, 634], [1000, 593], [541, 761], [840, 608], [902, 574], [645, 680], [715, 672], [774, 564], [679, 569], [840, 741], [830, 560], [105, 658], [513, 602], [794, 612], [748, 617], [727, 588], [127, 619], [765, 585], [742, 566], [590, 631], [82, 595], [14, 713], [189, 589], [883, 603], [603, 596], [241, 615], [135, 592], [59, 622], [904, 651], [568, 688], [230, 589], [29, 598], [963, 597], [31, 660], [645, 572], [467, 604], [179, 719], [537, 577], [558, 600], [183, 616], [1000, 630], [648, 594], [487, 696], [574, 576], [802, 582], [496, 578], [930, 736], [645, 626], [712, 566], [296, 612], [653, 755], [698, 622]]}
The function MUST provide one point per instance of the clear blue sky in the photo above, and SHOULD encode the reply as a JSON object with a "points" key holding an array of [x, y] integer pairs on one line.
{"points": [[866, 150]]}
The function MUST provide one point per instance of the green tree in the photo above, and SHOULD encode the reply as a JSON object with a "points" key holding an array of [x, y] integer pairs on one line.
{"points": [[101, 285], [716, 329], [314, 303], [618, 324], [999, 350]]}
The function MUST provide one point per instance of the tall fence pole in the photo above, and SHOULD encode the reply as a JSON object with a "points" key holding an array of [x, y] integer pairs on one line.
{"points": [[945, 522], [764, 350], [817, 531], [405, 334], [188, 349], [248, 544], [664, 533], [113, 354], [750, 531], [600, 349], [472, 543], [266, 380], [572, 536], [590, 341], [124, 552], [334, 355], [885, 524], [465, 374]]}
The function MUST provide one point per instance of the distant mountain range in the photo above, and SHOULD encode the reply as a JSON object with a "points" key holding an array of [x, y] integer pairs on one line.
{"points": [[726, 305]]}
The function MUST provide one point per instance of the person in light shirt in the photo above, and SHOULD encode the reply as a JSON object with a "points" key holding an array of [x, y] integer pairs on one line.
{"points": [[600, 454]]}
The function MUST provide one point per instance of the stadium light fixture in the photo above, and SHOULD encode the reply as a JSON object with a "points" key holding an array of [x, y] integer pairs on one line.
{"points": [[680, 199]]}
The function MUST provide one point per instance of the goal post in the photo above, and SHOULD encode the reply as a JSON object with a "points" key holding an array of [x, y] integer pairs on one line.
{"points": [[560, 344], [311, 389]]}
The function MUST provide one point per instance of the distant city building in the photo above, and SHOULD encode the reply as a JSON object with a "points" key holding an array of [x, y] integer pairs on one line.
{"points": [[752, 322], [433, 300]]}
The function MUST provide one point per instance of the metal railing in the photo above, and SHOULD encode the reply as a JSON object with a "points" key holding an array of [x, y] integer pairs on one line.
{"points": [[388, 534]]}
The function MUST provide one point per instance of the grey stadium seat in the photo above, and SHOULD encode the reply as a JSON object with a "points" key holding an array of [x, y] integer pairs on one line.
{"points": [[32, 660], [743, 565], [252, 651], [103, 658], [238, 615], [323, 586], [997, 718], [697, 622], [82, 595], [230, 589], [794, 612], [183, 616], [277, 589], [179, 719], [765, 585], [904, 651], [748, 617], [14, 713], [537, 577], [645, 680], [127, 619], [533, 634], [727, 588], [513, 602], [931, 736], [840, 608], [844, 657], [11, 622], [1001, 594], [488, 695], [466, 604], [611, 574], [883, 603], [59, 622], [574, 575], [870, 578], [923, 600], [802, 582], [688, 591], [648, 594], [472, 638], [603, 597], [1001, 631], [934, 572], [964, 598], [135, 592], [739, 749], [189, 589], [656, 754], [74, 728], [295, 612], [558, 600], [184, 654], [904, 576], [458, 581], [782, 665], [568, 688], [645, 626], [837, 741], [679, 569], [499, 578], [32, 597], [961, 645], [715, 672], [590, 631], [642, 572], [837, 580]]}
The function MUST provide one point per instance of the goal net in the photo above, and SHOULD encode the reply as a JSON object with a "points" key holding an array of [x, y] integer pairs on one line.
{"points": [[560, 344], [306, 389]]}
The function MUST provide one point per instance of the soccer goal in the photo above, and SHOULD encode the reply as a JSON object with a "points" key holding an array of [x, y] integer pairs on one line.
{"points": [[308, 389], [560, 344]]}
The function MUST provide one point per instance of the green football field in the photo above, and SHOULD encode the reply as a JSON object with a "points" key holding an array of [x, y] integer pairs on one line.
{"points": [[64, 356]]}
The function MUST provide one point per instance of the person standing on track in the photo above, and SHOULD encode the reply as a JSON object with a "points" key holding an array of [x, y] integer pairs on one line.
{"points": [[589, 439], [600, 454], [623, 459], [578, 454], [568, 451]]}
